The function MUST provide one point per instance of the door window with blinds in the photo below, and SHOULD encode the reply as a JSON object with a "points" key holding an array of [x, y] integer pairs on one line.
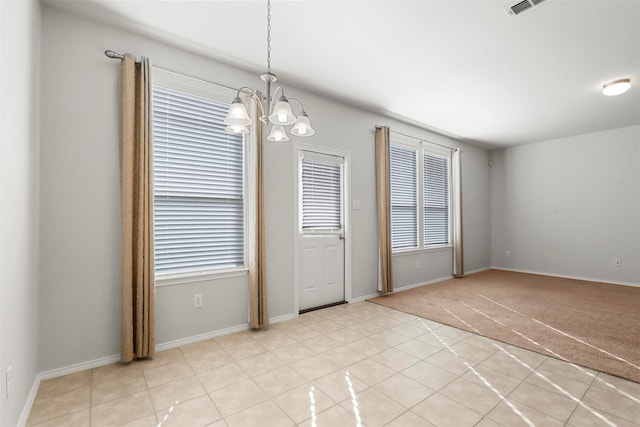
{"points": [[420, 196], [198, 179], [321, 196]]}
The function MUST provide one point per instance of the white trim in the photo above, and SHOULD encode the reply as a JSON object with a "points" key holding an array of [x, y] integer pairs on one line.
{"points": [[78, 367], [219, 332], [566, 276], [417, 285], [283, 318], [191, 85], [194, 277], [414, 251], [478, 270], [96, 363], [364, 298], [28, 404], [404, 288], [201, 337], [298, 148], [108, 360]]}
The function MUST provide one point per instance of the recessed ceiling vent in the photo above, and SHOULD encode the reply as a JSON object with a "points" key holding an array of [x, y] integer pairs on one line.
{"points": [[521, 6]]}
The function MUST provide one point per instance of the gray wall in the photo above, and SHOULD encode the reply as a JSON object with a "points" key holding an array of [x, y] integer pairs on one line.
{"points": [[19, 213], [569, 206], [79, 319]]}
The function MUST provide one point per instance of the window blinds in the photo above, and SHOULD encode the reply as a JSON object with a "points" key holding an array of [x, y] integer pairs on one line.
{"points": [[198, 185], [419, 198], [404, 200], [321, 197], [436, 200]]}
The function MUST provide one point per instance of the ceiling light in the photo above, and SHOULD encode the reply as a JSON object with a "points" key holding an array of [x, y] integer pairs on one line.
{"points": [[278, 116], [616, 87]]}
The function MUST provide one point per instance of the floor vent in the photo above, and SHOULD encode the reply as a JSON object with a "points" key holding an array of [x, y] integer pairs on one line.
{"points": [[521, 6]]}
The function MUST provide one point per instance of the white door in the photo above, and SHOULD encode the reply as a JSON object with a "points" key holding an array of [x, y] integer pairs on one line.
{"points": [[321, 230]]}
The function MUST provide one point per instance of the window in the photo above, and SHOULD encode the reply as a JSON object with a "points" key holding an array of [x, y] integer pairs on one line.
{"points": [[419, 222], [436, 199], [321, 203], [404, 197], [198, 178]]}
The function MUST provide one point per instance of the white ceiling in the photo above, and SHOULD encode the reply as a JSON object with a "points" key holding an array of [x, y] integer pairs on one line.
{"points": [[462, 68]]}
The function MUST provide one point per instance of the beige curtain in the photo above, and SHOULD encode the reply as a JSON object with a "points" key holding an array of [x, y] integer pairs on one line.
{"points": [[258, 314], [456, 173], [138, 323], [383, 189]]}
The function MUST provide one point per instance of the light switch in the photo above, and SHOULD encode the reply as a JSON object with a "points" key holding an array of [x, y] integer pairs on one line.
{"points": [[356, 205]]}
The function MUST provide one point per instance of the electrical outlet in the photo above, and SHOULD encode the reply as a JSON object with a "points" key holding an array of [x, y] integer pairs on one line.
{"points": [[8, 378], [418, 265], [617, 262], [197, 300], [507, 253]]}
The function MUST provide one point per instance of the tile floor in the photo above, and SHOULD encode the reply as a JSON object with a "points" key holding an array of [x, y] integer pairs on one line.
{"points": [[351, 365]]}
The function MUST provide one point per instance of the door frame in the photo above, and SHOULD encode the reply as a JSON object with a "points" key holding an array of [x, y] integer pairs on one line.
{"points": [[346, 196]]}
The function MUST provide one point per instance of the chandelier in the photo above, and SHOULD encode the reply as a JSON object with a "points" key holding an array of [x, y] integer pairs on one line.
{"points": [[275, 116]]}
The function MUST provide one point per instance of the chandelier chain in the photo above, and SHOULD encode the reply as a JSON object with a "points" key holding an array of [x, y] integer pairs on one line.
{"points": [[269, 36], [275, 115]]}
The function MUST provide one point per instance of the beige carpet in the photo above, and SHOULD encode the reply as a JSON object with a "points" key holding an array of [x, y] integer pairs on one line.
{"points": [[595, 325]]}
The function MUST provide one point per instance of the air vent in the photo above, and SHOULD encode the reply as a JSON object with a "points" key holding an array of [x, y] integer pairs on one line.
{"points": [[521, 6]]}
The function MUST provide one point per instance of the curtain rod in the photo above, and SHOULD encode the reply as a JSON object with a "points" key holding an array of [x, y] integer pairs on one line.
{"points": [[115, 55], [422, 140]]}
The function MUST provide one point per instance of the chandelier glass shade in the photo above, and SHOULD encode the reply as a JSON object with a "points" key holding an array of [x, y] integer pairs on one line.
{"points": [[237, 118], [302, 127], [277, 115], [277, 134], [282, 113]]}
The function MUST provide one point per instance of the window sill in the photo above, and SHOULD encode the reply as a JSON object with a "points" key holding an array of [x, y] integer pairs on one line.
{"points": [[409, 252], [204, 276]]}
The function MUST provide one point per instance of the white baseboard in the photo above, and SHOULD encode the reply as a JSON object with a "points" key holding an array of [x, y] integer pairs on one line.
{"points": [[282, 318], [417, 285], [82, 366], [26, 409], [404, 288], [218, 333], [66, 370], [107, 360], [363, 298], [96, 363], [478, 270], [565, 276], [201, 337]]}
